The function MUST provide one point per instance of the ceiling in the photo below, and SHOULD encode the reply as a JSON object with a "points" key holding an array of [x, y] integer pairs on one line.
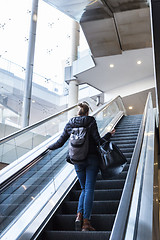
{"points": [[118, 33], [125, 70], [137, 101], [110, 26]]}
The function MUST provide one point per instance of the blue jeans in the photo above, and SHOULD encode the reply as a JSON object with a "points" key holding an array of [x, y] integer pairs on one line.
{"points": [[87, 175]]}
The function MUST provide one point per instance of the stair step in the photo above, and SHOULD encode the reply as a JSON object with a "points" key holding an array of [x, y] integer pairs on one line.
{"points": [[127, 155], [124, 134], [125, 145], [127, 130], [124, 141], [99, 207], [108, 194], [126, 138], [101, 222], [110, 184], [126, 150], [72, 235]]}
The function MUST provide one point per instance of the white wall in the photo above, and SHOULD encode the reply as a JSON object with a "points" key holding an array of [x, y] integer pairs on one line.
{"points": [[129, 89]]}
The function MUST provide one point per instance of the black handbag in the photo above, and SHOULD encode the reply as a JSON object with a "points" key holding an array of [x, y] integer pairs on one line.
{"points": [[112, 160]]}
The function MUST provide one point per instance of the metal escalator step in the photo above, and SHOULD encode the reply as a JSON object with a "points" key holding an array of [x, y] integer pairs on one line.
{"points": [[73, 235], [124, 141], [108, 194], [127, 154], [127, 150], [110, 184], [101, 222], [126, 134], [125, 145], [124, 138], [127, 130], [122, 175], [99, 207]]}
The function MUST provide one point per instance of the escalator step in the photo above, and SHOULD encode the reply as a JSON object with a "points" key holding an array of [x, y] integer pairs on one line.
{"points": [[101, 222], [72, 235], [108, 194], [123, 141], [99, 207], [110, 184]]}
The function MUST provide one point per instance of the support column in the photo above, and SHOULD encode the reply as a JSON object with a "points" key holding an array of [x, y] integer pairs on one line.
{"points": [[73, 93], [75, 41], [73, 84], [155, 23], [29, 66]]}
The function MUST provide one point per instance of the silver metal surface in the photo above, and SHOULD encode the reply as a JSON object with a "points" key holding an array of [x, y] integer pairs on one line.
{"points": [[143, 221], [119, 226], [132, 225]]}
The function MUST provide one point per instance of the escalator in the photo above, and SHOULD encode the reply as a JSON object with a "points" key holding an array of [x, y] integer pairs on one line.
{"points": [[107, 194], [39, 191], [25, 180]]}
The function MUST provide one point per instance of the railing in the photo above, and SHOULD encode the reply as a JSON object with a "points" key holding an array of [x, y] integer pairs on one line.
{"points": [[137, 182], [59, 183], [17, 144], [142, 223]]}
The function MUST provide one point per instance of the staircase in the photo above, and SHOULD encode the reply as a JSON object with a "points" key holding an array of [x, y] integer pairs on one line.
{"points": [[107, 194]]}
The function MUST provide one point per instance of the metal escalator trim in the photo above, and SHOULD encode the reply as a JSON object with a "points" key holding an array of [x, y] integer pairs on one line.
{"points": [[140, 221], [25, 224], [120, 222]]}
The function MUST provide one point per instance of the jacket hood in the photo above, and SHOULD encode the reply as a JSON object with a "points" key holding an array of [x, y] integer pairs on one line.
{"points": [[81, 121]]}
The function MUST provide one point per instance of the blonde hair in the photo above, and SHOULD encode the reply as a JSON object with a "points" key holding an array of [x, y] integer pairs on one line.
{"points": [[83, 109]]}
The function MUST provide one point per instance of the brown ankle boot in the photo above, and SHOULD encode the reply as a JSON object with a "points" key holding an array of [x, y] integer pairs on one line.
{"points": [[78, 222], [87, 226]]}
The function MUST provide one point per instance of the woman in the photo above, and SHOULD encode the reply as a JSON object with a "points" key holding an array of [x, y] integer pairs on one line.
{"points": [[88, 169]]}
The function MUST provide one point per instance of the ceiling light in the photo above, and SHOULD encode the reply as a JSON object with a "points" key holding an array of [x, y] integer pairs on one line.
{"points": [[111, 65], [130, 107], [139, 62]]}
